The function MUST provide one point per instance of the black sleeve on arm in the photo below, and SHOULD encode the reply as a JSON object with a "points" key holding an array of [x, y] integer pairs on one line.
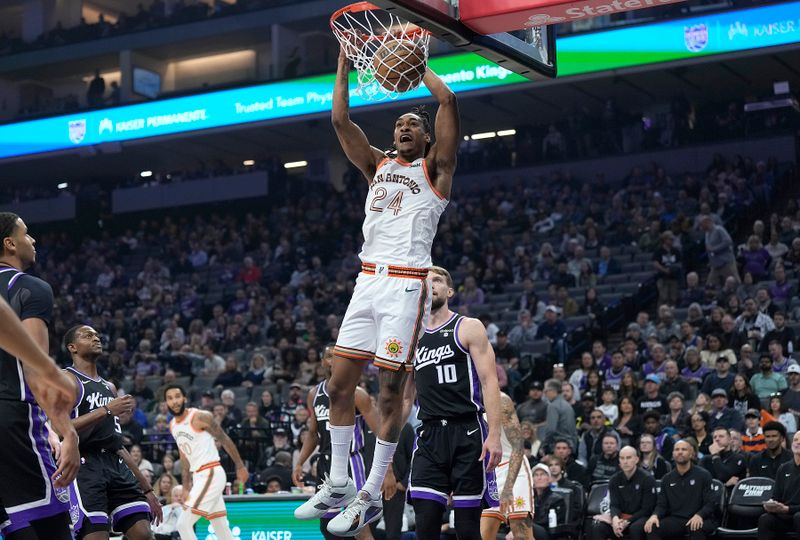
{"points": [[648, 499], [36, 298], [614, 497]]}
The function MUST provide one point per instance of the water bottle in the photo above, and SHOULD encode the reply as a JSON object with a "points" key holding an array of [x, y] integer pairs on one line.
{"points": [[552, 520]]}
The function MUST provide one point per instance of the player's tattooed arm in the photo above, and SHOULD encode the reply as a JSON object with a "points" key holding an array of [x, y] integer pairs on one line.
{"points": [[205, 420], [514, 435], [156, 513], [352, 139], [441, 159]]}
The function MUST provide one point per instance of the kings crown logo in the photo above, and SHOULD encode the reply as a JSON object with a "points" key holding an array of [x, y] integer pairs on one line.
{"points": [[695, 37]]}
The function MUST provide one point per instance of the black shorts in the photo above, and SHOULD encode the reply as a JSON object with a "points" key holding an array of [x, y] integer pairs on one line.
{"points": [[106, 495], [446, 461], [26, 465]]}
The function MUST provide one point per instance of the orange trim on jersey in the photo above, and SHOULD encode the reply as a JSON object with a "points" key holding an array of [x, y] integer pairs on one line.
{"points": [[217, 515], [353, 356], [412, 350], [494, 514], [203, 492], [403, 162], [208, 466], [191, 417], [387, 364], [430, 182], [397, 271], [519, 515], [381, 162]]}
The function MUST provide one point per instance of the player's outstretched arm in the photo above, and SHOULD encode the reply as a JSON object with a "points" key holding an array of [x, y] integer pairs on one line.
{"points": [[204, 420], [472, 334], [309, 444], [441, 159], [353, 140], [53, 389], [155, 508], [514, 435], [373, 421]]}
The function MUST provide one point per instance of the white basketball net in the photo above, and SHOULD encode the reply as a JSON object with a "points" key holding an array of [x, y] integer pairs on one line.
{"points": [[362, 29]]}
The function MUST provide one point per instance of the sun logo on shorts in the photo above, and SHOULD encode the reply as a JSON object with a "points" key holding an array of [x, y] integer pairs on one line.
{"points": [[393, 347], [519, 502]]}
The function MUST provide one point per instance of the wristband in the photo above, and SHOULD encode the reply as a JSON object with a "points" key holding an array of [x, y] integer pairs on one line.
{"points": [[148, 491], [108, 411]]}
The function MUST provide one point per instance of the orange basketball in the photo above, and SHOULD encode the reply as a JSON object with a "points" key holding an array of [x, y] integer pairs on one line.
{"points": [[399, 65]]}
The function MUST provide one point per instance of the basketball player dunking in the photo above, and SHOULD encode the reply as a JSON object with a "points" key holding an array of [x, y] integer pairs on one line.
{"points": [[391, 300], [33, 492], [106, 494], [514, 477], [202, 475], [456, 453], [318, 435]]}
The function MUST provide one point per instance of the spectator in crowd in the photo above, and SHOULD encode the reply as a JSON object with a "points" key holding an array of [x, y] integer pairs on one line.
{"points": [[672, 381], [780, 363], [782, 511], [741, 396], [686, 501], [604, 465], [719, 248], [281, 469], [781, 333], [730, 337], [653, 399], [573, 469], [721, 379], [766, 462], [701, 434], [608, 404], [618, 369], [791, 397], [662, 437], [578, 376], [629, 423], [96, 90], [695, 371], [234, 413], [591, 443], [524, 332], [231, 376], [781, 291], [767, 382], [652, 462], [753, 324], [657, 363], [258, 371], [553, 329], [677, 418], [562, 484], [560, 422], [724, 464], [667, 262], [777, 411], [693, 291], [753, 440], [168, 528], [504, 351], [713, 350], [721, 415], [212, 362], [534, 409], [544, 500], [755, 260]]}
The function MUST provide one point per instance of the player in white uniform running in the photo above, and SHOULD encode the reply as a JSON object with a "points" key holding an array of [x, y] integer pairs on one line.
{"points": [[202, 475], [391, 301], [514, 475]]}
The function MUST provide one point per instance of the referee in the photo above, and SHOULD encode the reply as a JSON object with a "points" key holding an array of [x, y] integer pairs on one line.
{"points": [[686, 502], [632, 498]]}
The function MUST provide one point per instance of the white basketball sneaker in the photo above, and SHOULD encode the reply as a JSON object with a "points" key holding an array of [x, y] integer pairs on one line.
{"points": [[327, 498], [358, 514]]}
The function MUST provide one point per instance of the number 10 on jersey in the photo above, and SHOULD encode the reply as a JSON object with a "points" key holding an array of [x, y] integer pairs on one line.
{"points": [[446, 373]]}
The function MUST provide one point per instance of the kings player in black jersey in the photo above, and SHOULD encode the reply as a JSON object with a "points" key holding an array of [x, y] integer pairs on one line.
{"points": [[456, 452], [105, 494], [319, 406], [34, 490]]}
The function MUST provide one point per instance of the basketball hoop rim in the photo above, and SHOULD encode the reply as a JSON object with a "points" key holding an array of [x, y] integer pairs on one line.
{"points": [[359, 7]]}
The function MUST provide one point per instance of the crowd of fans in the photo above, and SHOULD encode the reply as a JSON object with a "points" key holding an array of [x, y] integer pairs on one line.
{"points": [[239, 308]]}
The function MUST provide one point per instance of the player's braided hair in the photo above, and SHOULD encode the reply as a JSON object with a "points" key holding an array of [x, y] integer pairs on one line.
{"points": [[8, 222]]}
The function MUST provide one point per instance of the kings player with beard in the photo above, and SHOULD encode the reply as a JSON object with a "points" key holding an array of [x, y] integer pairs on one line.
{"points": [[456, 451]]}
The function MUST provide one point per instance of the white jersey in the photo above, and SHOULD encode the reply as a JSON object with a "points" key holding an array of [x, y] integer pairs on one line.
{"points": [[402, 215], [198, 446]]}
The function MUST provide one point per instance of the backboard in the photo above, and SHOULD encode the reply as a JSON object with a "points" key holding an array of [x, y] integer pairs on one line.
{"points": [[530, 52]]}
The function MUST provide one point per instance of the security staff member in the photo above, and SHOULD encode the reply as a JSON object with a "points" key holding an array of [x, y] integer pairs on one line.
{"points": [[686, 502], [783, 510], [632, 497], [766, 462], [724, 464]]}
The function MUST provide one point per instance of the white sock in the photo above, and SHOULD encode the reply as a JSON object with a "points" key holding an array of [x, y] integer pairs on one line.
{"points": [[381, 460], [341, 439], [221, 528]]}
